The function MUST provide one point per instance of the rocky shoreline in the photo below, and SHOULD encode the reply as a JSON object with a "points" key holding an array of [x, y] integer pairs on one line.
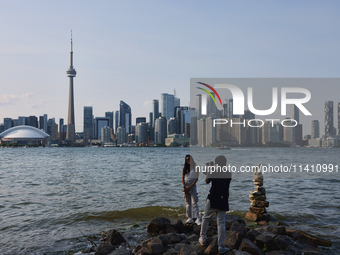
{"points": [[172, 238]]}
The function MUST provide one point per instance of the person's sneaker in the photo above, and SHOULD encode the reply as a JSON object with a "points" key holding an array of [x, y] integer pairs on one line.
{"points": [[222, 250], [189, 221], [202, 241], [198, 222]]}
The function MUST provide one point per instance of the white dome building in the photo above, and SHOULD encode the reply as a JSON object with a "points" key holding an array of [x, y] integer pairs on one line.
{"points": [[24, 135]]}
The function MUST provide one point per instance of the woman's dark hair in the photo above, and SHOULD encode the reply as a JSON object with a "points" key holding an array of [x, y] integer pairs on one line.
{"points": [[187, 168]]}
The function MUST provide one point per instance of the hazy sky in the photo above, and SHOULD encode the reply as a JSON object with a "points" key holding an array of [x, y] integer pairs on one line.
{"points": [[136, 50]]}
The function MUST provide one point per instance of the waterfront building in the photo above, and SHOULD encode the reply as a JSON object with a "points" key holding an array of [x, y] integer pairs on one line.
{"points": [[54, 133], [125, 117], [172, 126], [198, 106], [100, 123], [71, 73], [225, 111], [270, 132], [21, 121], [230, 108], [294, 113], [193, 130], [289, 132], [61, 123], [121, 135], [105, 136], [168, 105], [177, 140], [298, 134], [8, 123], [315, 127], [88, 121], [24, 135], [41, 122], [211, 107], [140, 120], [45, 122], [329, 118], [33, 121], [155, 111], [210, 131], [201, 132], [160, 130], [15, 122], [116, 121], [142, 132], [110, 116]]}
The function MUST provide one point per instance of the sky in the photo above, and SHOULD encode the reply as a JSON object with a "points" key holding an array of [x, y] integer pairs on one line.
{"points": [[136, 50]]}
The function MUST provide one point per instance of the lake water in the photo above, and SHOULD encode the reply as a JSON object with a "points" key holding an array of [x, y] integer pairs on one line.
{"points": [[49, 195]]}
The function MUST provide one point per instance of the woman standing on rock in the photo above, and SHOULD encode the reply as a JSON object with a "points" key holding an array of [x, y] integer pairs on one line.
{"points": [[189, 179]]}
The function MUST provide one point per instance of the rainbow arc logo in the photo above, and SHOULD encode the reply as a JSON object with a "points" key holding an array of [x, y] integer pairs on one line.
{"points": [[209, 93]]}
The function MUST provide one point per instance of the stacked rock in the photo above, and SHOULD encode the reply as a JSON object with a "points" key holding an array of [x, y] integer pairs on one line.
{"points": [[257, 198]]}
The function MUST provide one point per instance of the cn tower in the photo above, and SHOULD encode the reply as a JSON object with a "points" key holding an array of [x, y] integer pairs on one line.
{"points": [[71, 72]]}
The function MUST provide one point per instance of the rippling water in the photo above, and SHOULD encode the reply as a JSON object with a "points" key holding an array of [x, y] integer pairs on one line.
{"points": [[49, 195]]}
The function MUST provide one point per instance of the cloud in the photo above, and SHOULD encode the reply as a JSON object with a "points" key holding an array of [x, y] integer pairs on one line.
{"points": [[26, 98], [147, 103], [7, 99]]}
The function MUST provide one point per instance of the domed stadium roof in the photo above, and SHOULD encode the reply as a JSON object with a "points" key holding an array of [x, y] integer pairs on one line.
{"points": [[23, 132]]}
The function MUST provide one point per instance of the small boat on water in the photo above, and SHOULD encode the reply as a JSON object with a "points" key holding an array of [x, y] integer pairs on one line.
{"points": [[224, 148]]}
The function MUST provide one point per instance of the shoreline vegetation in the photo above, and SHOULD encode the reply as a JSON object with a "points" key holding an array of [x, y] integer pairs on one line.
{"points": [[243, 237]]}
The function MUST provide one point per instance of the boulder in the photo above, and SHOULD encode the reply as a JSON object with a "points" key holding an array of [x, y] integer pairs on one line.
{"points": [[157, 225], [155, 246], [183, 237], [143, 251], [121, 251], [278, 253], [212, 249], [104, 249], [187, 250], [196, 229], [238, 227], [252, 234], [248, 246], [277, 230], [238, 252], [283, 241], [193, 238], [230, 219], [199, 249], [259, 203], [178, 225], [233, 239], [173, 238], [300, 238], [169, 228], [114, 237], [257, 210], [164, 239], [266, 239], [171, 251]]}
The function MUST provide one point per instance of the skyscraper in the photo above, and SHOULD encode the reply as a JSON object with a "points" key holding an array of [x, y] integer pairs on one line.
{"points": [[315, 133], [155, 111], [110, 116], [167, 105], [329, 118], [294, 113], [199, 106], [71, 72], [160, 130], [140, 120], [125, 118], [88, 121]]}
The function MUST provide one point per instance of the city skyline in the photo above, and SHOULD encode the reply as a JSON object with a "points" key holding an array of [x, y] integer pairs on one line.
{"points": [[121, 53]]}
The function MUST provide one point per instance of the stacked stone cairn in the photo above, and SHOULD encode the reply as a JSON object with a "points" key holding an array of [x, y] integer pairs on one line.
{"points": [[258, 212]]}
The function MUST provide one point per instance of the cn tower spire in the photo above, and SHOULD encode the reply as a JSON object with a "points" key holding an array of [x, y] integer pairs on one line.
{"points": [[71, 73]]}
